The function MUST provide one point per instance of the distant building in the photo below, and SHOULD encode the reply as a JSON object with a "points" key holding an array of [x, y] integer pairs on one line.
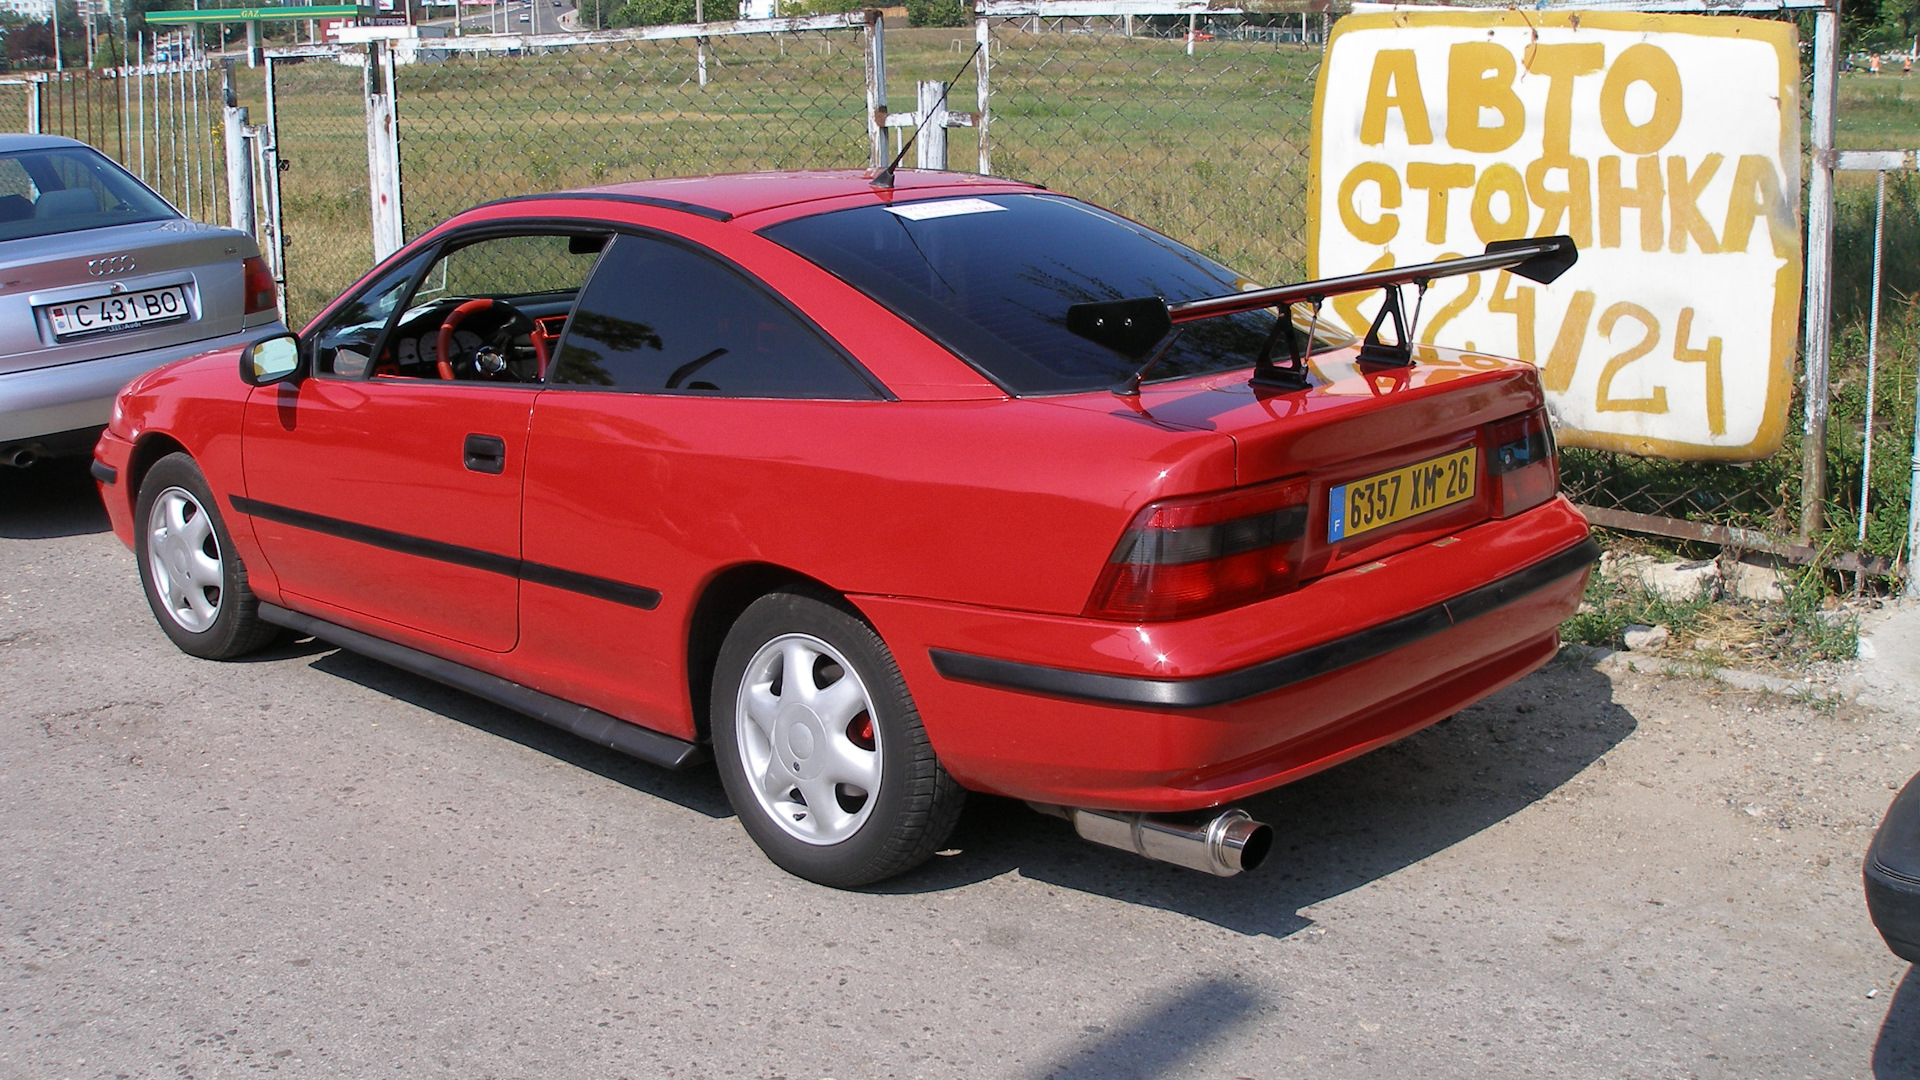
{"points": [[749, 9], [28, 9]]}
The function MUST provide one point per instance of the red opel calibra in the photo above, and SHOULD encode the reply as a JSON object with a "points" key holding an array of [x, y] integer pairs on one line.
{"points": [[878, 491]]}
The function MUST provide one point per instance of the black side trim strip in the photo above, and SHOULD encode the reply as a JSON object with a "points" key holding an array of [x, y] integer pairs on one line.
{"points": [[104, 472], [618, 592], [1268, 675], [696, 209], [589, 724]]}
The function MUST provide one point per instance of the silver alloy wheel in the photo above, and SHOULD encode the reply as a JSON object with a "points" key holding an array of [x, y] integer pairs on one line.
{"points": [[808, 743], [183, 556]]}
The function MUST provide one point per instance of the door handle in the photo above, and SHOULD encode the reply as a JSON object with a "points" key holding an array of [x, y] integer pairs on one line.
{"points": [[485, 453]]}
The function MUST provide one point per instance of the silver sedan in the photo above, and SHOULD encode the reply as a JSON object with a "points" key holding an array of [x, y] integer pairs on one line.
{"points": [[100, 280]]}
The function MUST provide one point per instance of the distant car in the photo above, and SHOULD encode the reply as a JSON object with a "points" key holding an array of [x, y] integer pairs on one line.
{"points": [[880, 490], [526, 18], [100, 280], [1892, 873]]}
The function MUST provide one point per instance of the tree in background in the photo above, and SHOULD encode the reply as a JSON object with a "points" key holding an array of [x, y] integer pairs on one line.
{"points": [[939, 13], [1880, 25], [664, 12]]}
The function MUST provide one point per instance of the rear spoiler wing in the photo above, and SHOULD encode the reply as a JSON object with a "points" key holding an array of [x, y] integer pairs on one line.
{"points": [[1134, 327]]}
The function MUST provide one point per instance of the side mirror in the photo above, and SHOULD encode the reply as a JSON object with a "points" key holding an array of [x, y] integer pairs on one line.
{"points": [[274, 360]]}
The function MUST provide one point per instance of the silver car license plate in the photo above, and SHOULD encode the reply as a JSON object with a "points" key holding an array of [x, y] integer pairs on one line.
{"points": [[123, 311]]}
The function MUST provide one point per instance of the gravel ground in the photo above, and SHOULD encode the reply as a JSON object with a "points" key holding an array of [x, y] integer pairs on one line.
{"points": [[317, 865]]}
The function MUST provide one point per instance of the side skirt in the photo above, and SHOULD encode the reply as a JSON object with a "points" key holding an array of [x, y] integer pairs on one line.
{"points": [[589, 724]]}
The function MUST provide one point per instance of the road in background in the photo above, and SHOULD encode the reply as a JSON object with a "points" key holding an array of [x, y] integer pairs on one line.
{"points": [[541, 17], [316, 863]]}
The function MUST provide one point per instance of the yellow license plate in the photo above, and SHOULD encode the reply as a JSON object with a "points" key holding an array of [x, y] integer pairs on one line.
{"points": [[1406, 492]]}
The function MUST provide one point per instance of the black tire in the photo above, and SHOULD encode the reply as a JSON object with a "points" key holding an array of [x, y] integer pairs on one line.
{"points": [[225, 622], [916, 803]]}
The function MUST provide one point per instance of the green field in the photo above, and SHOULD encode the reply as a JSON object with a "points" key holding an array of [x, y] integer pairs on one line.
{"points": [[1211, 148]]}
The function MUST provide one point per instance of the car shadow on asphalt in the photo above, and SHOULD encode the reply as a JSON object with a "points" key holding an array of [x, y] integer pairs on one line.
{"points": [[49, 500], [697, 788], [1333, 832], [1158, 1040], [1896, 1053]]}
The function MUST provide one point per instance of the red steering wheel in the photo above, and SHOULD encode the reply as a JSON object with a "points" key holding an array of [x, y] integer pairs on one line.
{"points": [[443, 356]]}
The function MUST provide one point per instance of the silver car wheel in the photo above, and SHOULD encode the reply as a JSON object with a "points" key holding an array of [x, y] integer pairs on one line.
{"points": [[808, 744], [183, 556]]}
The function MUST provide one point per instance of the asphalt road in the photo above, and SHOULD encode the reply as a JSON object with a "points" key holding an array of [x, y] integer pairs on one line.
{"points": [[317, 865], [542, 18]]}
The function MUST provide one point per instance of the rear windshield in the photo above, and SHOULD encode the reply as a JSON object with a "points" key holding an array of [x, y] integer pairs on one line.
{"points": [[69, 188], [991, 279]]}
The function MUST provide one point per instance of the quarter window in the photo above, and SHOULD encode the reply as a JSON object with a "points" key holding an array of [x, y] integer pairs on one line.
{"points": [[346, 343], [659, 318]]}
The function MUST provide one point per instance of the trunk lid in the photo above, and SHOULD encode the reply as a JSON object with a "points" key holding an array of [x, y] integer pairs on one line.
{"points": [[1353, 424], [36, 272]]}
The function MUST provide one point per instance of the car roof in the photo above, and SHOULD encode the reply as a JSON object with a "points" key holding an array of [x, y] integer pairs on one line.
{"points": [[739, 194], [35, 142]]}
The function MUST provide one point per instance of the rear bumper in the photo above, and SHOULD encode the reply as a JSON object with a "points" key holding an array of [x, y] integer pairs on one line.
{"points": [[42, 401], [1185, 716]]}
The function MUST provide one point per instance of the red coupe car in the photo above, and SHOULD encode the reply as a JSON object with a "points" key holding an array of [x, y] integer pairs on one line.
{"points": [[880, 492]]}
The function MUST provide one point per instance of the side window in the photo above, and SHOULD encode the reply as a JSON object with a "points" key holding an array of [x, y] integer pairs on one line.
{"points": [[499, 304], [344, 346], [658, 318]]}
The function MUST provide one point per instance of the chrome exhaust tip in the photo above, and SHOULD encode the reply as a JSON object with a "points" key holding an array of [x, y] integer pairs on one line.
{"points": [[19, 457], [1222, 846]]}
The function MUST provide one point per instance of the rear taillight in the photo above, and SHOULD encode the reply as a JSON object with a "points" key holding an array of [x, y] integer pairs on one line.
{"points": [[1520, 458], [260, 292], [1185, 557]]}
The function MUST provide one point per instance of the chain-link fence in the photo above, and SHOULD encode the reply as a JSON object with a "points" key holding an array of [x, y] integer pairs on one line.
{"points": [[481, 125], [320, 136], [160, 121], [16, 109], [1205, 139]]}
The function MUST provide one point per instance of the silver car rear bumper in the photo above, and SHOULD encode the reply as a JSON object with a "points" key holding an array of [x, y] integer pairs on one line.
{"points": [[46, 401]]}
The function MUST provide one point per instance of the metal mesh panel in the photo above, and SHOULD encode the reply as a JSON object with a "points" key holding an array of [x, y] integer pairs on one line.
{"points": [[13, 105], [475, 127], [321, 135], [1211, 148], [161, 122]]}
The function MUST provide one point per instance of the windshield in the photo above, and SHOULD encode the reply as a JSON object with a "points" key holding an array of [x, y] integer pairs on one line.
{"points": [[992, 278], [69, 188]]}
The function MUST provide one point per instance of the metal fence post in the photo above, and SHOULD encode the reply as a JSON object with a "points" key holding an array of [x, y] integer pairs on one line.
{"points": [[931, 151], [383, 152], [1813, 465], [240, 205], [876, 89], [267, 148], [983, 34], [1913, 500], [33, 107]]}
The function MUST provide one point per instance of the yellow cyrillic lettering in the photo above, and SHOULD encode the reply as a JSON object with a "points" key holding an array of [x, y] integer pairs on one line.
{"points": [[1388, 225], [1648, 64], [1500, 179], [1575, 202], [1480, 76], [1395, 85], [1683, 204], [1756, 192], [1561, 64], [1647, 196], [1437, 181]]}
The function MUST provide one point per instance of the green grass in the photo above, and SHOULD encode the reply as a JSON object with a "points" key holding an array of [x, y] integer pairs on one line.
{"points": [[1210, 148]]}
